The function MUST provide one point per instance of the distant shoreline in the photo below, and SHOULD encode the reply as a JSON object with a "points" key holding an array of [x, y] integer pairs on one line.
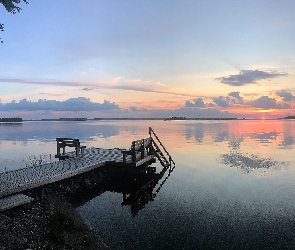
{"points": [[73, 119], [157, 119], [12, 119]]}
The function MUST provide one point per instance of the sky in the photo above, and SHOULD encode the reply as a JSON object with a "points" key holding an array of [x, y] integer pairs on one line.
{"points": [[148, 59]]}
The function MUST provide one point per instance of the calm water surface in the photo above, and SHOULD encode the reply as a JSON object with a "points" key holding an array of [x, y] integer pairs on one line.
{"points": [[233, 186]]}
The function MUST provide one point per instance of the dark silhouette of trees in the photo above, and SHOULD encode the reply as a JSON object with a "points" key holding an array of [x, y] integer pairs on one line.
{"points": [[12, 7]]}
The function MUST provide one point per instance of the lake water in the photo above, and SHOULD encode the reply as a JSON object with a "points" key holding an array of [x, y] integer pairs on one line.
{"points": [[233, 186]]}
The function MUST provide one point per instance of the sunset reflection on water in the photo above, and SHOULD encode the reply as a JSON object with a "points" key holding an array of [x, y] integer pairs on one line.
{"points": [[233, 181], [195, 143]]}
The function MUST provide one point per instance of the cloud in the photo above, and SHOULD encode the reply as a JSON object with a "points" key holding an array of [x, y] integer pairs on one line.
{"points": [[40, 82], [234, 99], [286, 96], [236, 95], [249, 77], [221, 101], [196, 103], [87, 89], [137, 110], [151, 88], [72, 104], [265, 102], [132, 85]]}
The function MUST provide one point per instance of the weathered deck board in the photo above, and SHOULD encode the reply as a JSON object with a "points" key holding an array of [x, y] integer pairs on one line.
{"points": [[14, 201], [19, 180]]}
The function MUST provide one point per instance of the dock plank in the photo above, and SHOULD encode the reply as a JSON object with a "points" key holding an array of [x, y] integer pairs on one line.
{"points": [[20, 180], [14, 201]]}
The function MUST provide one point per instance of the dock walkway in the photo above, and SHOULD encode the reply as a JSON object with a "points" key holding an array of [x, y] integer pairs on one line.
{"points": [[14, 182], [19, 180]]}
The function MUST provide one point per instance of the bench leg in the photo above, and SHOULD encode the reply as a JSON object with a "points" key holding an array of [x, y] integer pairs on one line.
{"points": [[58, 151], [133, 157]]}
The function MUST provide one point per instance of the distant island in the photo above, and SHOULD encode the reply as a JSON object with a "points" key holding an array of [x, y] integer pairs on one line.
{"points": [[184, 118], [66, 119], [127, 119], [289, 117], [175, 118], [13, 119]]}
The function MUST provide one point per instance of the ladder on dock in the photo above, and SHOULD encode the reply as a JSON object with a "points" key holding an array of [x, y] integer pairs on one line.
{"points": [[160, 151]]}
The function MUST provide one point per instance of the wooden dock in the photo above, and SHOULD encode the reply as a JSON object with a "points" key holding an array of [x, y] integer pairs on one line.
{"points": [[14, 182], [27, 178], [11, 201]]}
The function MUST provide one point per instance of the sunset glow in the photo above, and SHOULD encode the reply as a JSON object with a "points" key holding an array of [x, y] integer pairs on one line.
{"points": [[148, 59]]}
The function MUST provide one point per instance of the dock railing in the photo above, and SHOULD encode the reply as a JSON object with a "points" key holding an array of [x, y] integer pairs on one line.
{"points": [[141, 146], [159, 153]]}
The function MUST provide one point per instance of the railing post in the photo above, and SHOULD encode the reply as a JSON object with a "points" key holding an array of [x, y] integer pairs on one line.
{"points": [[151, 131], [77, 148], [58, 149], [133, 152], [142, 149]]}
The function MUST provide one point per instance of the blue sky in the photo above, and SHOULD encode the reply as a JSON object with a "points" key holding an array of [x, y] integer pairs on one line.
{"points": [[148, 59]]}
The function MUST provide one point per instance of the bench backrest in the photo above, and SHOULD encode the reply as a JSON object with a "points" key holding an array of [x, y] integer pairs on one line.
{"points": [[136, 145], [70, 142], [147, 141]]}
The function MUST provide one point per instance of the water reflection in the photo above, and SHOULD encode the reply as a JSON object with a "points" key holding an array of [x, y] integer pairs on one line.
{"points": [[206, 203], [195, 131], [138, 186], [287, 142], [235, 144], [221, 136], [265, 137], [195, 143], [140, 190], [281, 133], [48, 131], [246, 145], [240, 131], [10, 124], [249, 162]]}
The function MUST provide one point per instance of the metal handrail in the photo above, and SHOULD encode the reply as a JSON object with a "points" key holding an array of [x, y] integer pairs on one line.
{"points": [[150, 133]]}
